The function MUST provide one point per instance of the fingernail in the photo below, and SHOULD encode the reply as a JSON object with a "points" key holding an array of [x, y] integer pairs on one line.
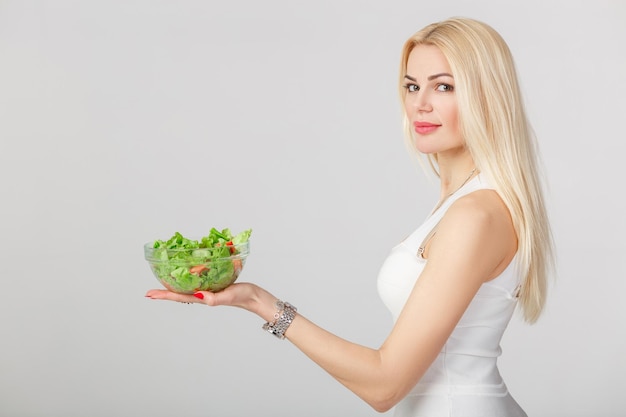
{"points": [[199, 295]]}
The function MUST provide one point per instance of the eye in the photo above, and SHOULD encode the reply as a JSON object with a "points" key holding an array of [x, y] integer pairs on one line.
{"points": [[412, 88], [444, 87]]}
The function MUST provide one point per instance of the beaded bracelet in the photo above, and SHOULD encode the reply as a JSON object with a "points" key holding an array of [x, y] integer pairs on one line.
{"points": [[282, 319]]}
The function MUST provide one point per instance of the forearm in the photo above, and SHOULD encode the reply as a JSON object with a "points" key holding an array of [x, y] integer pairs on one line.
{"points": [[359, 368]]}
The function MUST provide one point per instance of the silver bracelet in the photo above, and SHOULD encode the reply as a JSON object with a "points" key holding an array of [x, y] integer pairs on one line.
{"points": [[282, 319]]}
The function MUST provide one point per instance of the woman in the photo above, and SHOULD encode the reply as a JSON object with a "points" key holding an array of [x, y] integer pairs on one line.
{"points": [[453, 284]]}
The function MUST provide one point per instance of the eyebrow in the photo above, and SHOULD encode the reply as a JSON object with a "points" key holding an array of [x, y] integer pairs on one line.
{"points": [[432, 77]]}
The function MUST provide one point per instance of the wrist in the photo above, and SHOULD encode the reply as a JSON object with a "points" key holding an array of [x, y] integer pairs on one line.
{"points": [[262, 303], [282, 319]]}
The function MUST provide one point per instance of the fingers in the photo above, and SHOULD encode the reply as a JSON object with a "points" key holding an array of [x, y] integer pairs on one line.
{"points": [[171, 296]]}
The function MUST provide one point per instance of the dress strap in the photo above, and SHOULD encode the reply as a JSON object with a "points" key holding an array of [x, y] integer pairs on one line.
{"points": [[422, 247]]}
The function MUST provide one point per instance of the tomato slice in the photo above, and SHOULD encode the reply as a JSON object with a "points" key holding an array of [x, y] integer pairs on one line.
{"points": [[198, 269], [231, 246]]}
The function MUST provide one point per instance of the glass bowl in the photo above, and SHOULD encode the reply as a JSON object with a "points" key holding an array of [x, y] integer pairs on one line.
{"points": [[186, 271]]}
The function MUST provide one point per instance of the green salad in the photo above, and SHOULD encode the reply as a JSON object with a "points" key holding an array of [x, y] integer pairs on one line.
{"points": [[210, 264]]}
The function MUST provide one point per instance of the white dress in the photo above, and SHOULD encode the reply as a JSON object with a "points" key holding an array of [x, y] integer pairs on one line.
{"points": [[463, 381]]}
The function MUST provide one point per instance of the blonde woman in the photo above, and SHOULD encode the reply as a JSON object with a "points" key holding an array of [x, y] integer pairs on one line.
{"points": [[452, 285]]}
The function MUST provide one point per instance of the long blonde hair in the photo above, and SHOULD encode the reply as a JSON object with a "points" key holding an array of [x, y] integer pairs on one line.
{"points": [[498, 135]]}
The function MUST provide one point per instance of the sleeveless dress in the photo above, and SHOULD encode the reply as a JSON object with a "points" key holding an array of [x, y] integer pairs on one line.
{"points": [[463, 381]]}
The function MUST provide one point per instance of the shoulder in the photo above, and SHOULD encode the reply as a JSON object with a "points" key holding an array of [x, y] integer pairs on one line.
{"points": [[478, 228], [478, 208]]}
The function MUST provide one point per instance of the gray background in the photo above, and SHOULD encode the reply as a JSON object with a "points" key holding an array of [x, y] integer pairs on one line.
{"points": [[125, 121]]}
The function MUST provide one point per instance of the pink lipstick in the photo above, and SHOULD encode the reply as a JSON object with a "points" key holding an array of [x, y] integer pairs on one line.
{"points": [[424, 128]]}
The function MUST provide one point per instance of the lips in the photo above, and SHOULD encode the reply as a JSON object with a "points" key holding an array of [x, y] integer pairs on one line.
{"points": [[425, 127]]}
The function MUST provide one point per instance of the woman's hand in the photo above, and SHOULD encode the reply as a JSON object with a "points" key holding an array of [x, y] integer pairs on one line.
{"points": [[243, 295]]}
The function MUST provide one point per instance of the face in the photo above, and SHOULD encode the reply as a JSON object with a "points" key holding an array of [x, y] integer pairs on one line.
{"points": [[430, 102]]}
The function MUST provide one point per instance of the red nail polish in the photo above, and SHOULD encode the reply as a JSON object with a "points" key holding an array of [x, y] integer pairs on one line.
{"points": [[199, 295]]}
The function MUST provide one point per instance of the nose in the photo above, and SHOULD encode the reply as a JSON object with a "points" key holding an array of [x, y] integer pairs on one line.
{"points": [[419, 101]]}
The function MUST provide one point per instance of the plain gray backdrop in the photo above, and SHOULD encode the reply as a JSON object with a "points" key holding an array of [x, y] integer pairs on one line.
{"points": [[124, 121]]}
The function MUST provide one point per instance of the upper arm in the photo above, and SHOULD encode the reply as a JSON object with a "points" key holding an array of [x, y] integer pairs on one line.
{"points": [[473, 240]]}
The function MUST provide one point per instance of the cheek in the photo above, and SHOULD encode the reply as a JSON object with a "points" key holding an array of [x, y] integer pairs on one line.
{"points": [[452, 117]]}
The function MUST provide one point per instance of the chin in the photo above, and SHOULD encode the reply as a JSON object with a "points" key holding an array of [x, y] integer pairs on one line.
{"points": [[426, 150]]}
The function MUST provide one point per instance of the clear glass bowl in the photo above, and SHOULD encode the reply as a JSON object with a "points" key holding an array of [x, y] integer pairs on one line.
{"points": [[186, 271]]}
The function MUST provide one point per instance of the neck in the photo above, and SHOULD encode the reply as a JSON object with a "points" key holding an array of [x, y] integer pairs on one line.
{"points": [[453, 179], [445, 189]]}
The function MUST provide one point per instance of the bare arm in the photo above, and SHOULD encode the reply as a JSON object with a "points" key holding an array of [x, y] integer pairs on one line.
{"points": [[471, 244]]}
